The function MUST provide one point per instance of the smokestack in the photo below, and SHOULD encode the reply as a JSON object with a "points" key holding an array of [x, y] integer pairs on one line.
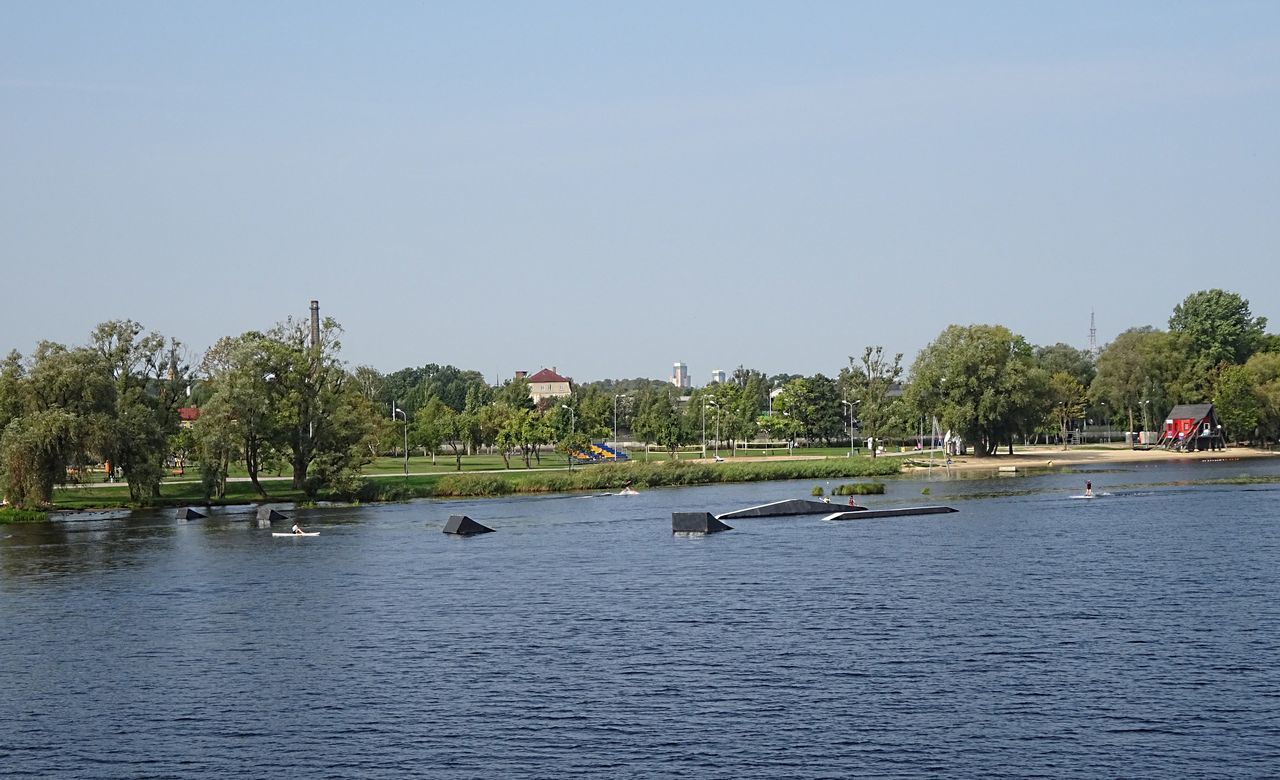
{"points": [[315, 325]]}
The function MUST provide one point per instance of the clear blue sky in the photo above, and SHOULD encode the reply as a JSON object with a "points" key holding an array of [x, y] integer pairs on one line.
{"points": [[608, 188]]}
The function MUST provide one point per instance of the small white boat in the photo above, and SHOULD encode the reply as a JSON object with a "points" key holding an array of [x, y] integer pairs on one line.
{"points": [[306, 533]]}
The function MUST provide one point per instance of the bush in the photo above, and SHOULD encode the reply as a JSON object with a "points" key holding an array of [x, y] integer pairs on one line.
{"points": [[817, 490], [613, 476], [859, 489], [22, 516]]}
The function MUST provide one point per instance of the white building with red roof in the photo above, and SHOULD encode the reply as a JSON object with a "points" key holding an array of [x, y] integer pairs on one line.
{"points": [[548, 384]]}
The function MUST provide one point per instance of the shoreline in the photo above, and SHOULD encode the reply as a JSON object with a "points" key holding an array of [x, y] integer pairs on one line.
{"points": [[913, 464], [1051, 457]]}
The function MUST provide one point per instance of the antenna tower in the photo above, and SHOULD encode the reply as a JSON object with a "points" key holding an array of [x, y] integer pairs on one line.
{"points": [[1093, 336]]}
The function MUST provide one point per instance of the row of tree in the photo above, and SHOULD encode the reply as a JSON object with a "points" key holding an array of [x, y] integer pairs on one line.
{"points": [[281, 400], [984, 383]]}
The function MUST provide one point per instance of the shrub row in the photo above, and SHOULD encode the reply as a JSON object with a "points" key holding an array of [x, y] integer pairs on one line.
{"points": [[614, 476], [22, 516]]}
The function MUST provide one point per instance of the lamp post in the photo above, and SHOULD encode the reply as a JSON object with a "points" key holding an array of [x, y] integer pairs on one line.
{"points": [[704, 428], [615, 424], [573, 421], [717, 406], [851, 405], [405, 417]]}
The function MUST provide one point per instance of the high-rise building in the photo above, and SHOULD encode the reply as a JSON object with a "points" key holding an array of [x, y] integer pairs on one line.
{"points": [[718, 377], [680, 376]]}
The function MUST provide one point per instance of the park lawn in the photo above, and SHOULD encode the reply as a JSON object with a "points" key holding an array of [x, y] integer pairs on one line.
{"points": [[445, 464], [445, 481], [171, 494]]}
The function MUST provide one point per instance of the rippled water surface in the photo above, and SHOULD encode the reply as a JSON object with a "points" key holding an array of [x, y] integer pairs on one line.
{"points": [[1030, 634]]}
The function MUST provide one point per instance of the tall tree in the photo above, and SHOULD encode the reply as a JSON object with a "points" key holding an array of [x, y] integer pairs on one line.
{"points": [[239, 420], [437, 424], [1264, 373], [1138, 373], [1237, 403], [150, 384], [870, 381], [1218, 327], [1066, 401], [982, 382], [59, 408], [1064, 357]]}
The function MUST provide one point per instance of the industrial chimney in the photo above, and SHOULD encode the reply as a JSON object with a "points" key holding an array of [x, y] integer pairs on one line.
{"points": [[315, 325]]}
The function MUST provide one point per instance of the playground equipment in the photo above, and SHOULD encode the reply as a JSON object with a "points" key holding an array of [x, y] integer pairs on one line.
{"points": [[600, 453]]}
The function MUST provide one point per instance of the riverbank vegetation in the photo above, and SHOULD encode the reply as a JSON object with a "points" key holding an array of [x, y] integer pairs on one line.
{"points": [[605, 477], [21, 516], [130, 406]]}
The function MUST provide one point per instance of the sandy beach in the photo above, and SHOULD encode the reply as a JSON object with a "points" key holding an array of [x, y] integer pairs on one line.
{"points": [[1056, 457], [1040, 457]]}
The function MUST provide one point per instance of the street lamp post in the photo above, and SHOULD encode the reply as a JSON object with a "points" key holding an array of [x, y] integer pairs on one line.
{"points": [[405, 417], [851, 405], [704, 446], [704, 429], [573, 421], [615, 424]]}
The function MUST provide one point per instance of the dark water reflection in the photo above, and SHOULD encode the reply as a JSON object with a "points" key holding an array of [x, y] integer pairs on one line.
{"points": [[1029, 634]]}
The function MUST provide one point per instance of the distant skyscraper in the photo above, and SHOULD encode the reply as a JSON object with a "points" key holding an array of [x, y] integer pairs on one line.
{"points": [[680, 376], [718, 377]]}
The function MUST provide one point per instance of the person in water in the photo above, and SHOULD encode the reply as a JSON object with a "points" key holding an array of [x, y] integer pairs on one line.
{"points": [[1088, 489], [297, 529]]}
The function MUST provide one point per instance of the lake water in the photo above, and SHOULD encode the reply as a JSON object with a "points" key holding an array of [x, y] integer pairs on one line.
{"points": [[1030, 634]]}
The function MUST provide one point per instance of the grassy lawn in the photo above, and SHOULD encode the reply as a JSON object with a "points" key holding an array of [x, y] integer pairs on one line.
{"points": [[442, 479]]}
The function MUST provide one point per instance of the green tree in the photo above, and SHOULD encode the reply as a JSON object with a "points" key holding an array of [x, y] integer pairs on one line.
{"points": [[57, 409], [982, 382], [515, 393], [658, 422], [239, 420], [428, 429], [869, 381], [1237, 403], [217, 441], [1138, 373], [1264, 372], [1078, 363], [34, 451], [1218, 327], [313, 402], [150, 384], [1066, 402]]}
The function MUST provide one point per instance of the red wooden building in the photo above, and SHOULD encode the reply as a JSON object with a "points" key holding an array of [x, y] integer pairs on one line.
{"points": [[1191, 427]]}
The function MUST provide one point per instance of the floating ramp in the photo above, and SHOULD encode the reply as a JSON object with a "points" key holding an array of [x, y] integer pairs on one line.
{"points": [[696, 523], [267, 516], [793, 506], [870, 514], [190, 514], [461, 525]]}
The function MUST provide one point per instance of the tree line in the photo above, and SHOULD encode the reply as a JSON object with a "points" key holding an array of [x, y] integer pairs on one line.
{"points": [[275, 401]]}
